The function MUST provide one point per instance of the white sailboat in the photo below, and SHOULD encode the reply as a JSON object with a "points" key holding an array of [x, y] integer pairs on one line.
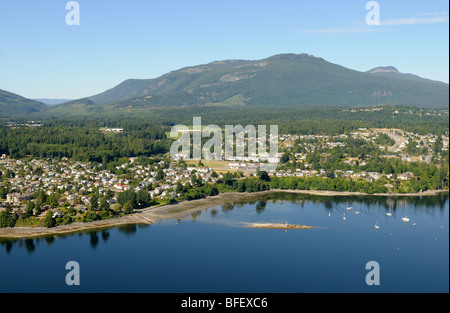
{"points": [[357, 212], [376, 226], [389, 213], [349, 208], [405, 219]]}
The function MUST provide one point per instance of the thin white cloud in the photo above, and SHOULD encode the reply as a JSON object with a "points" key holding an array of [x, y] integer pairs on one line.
{"points": [[435, 18], [338, 30], [445, 13], [419, 18]]}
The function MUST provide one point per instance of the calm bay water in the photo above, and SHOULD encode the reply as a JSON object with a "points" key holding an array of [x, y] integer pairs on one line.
{"points": [[213, 251]]}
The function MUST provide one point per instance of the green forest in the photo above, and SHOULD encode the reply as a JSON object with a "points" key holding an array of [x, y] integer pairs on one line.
{"points": [[81, 138], [83, 141]]}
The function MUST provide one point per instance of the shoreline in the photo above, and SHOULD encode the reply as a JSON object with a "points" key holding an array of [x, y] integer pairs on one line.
{"points": [[179, 210], [356, 193]]}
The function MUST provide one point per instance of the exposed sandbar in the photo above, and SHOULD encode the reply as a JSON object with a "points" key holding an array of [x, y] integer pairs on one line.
{"points": [[278, 226]]}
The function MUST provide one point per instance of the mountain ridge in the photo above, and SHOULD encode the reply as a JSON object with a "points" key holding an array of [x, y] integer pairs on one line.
{"points": [[384, 69], [283, 79], [391, 71], [300, 80]]}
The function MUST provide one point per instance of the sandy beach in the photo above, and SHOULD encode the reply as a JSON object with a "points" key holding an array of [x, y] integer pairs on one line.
{"points": [[145, 216], [177, 211]]}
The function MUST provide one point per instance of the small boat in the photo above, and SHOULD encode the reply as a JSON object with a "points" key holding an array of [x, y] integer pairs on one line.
{"points": [[357, 212], [349, 208], [344, 218], [414, 224], [376, 226], [405, 219], [389, 213]]}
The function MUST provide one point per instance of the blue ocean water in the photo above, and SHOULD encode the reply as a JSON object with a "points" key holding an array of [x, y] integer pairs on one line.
{"points": [[213, 251]]}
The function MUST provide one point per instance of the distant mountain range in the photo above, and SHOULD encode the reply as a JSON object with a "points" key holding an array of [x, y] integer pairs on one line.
{"points": [[53, 101], [281, 80]]}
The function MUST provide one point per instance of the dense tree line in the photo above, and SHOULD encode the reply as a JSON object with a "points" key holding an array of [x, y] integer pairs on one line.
{"points": [[8, 218], [309, 120], [83, 142], [426, 179]]}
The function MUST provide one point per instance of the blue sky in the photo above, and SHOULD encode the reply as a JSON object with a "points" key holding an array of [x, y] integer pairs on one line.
{"points": [[42, 57]]}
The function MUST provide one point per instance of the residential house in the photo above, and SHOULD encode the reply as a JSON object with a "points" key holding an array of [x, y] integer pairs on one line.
{"points": [[17, 198], [405, 176]]}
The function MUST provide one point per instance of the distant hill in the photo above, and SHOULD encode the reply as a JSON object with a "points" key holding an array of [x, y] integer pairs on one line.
{"points": [[390, 71], [75, 107], [384, 69], [15, 105], [285, 79], [53, 101]]}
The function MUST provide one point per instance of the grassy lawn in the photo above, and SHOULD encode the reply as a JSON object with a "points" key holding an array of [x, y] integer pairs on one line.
{"points": [[216, 165], [29, 222]]}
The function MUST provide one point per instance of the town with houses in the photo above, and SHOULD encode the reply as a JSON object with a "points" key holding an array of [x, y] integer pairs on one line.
{"points": [[74, 181]]}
